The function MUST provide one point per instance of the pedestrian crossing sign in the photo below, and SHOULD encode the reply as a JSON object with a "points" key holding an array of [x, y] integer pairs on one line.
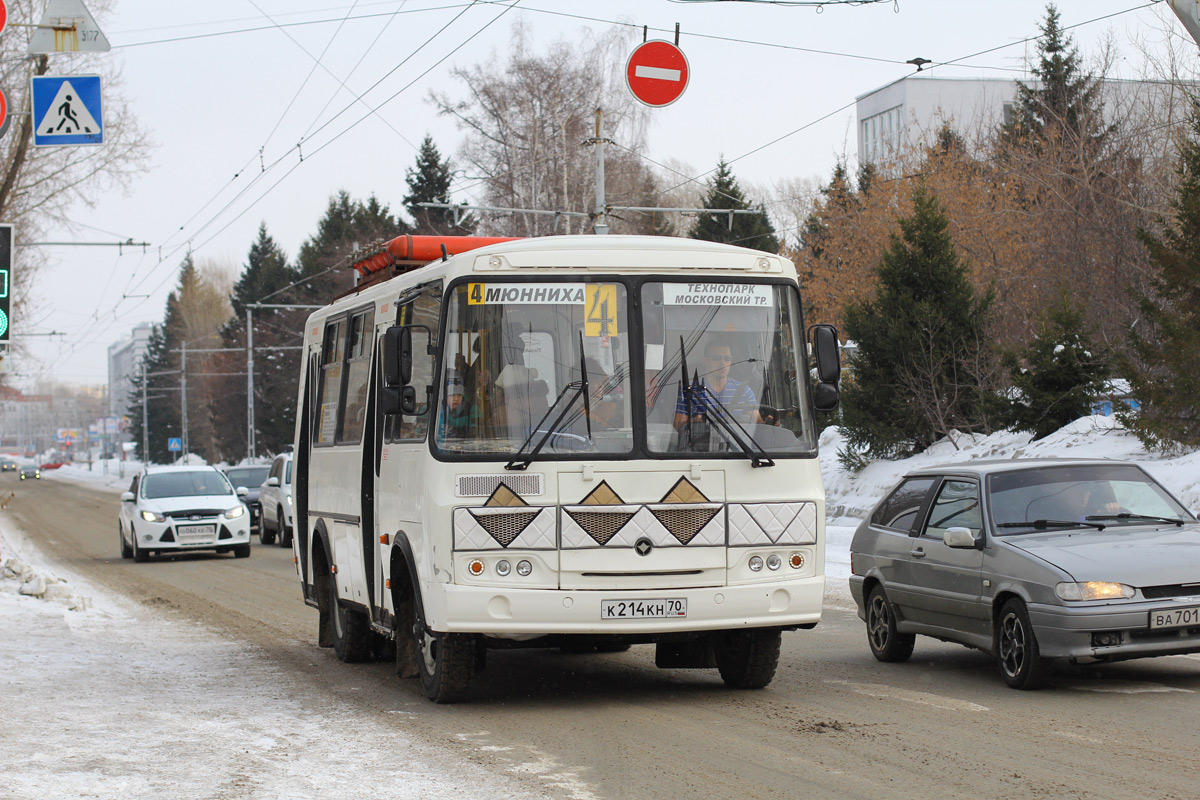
{"points": [[66, 110]]}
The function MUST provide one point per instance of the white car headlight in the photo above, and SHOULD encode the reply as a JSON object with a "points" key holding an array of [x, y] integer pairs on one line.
{"points": [[1093, 590], [234, 512], [150, 516], [289, 499]]}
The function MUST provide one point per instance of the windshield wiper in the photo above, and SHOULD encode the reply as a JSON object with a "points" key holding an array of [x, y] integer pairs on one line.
{"points": [[1126, 515], [522, 460], [726, 422], [1043, 524]]}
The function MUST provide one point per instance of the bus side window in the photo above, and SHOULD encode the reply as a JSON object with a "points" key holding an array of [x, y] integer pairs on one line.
{"points": [[358, 367], [329, 388]]}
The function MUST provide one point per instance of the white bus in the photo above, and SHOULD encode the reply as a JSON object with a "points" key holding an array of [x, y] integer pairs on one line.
{"points": [[582, 442]]}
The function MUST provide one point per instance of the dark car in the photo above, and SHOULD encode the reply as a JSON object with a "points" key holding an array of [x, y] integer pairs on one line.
{"points": [[7, 465], [252, 478], [1030, 560], [31, 471]]}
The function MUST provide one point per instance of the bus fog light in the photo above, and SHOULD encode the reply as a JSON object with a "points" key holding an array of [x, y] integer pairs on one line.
{"points": [[503, 568], [475, 567], [796, 560], [774, 562], [756, 563], [524, 568]]}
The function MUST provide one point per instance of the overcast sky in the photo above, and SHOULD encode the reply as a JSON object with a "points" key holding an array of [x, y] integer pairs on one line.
{"points": [[216, 83]]}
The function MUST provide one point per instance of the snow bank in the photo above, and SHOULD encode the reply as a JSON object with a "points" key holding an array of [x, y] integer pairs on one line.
{"points": [[105, 699]]}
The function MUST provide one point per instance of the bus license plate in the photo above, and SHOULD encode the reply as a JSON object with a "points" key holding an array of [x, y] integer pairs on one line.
{"points": [[643, 609], [1175, 617]]}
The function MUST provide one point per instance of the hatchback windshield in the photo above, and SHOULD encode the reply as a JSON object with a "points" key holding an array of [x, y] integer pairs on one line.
{"points": [[185, 484], [248, 476], [1091, 495]]}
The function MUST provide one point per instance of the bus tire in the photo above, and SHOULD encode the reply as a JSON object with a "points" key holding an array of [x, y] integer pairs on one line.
{"points": [[747, 659], [351, 631], [447, 663]]}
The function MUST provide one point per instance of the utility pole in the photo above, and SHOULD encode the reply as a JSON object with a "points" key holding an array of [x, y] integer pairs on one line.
{"points": [[601, 225], [145, 418], [250, 383], [183, 397]]}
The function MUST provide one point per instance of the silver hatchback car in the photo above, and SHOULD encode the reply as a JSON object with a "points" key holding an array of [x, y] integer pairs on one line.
{"points": [[1030, 560]]}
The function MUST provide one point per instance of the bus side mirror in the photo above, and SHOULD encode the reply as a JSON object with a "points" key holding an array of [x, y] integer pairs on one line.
{"points": [[829, 367], [397, 356]]}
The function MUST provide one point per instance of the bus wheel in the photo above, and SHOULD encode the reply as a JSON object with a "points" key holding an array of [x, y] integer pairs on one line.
{"points": [[351, 630], [447, 663], [747, 659]]}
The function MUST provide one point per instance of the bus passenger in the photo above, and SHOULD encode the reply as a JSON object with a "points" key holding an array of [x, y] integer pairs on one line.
{"points": [[460, 417], [714, 377]]}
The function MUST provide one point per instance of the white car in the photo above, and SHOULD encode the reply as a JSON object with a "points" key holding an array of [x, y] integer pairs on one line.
{"points": [[276, 501], [178, 509]]}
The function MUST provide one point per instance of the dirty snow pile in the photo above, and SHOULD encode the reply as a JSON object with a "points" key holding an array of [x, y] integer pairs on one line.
{"points": [[102, 698]]}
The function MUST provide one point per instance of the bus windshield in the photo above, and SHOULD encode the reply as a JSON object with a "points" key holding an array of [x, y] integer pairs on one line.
{"points": [[546, 365], [724, 364], [518, 355]]}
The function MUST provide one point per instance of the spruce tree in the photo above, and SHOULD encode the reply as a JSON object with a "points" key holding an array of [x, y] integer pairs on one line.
{"points": [[748, 230], [1164, 367], [346, 226], [1058, 374], [429, 182], [922, 358], [1063, 100]]}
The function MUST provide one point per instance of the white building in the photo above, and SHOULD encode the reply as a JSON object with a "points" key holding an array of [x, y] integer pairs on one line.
{"points": [[912, 109], [124, 364]]}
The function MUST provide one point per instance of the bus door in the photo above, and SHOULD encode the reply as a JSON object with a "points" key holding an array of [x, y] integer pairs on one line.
{"points": [[403, 446]]}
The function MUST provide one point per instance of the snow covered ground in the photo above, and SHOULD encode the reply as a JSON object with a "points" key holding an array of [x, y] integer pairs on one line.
{"points": [[105, 699]]}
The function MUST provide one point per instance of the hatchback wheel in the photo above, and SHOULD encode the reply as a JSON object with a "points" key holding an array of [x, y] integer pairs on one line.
{"points": [[1017, 652], [887, 644]]}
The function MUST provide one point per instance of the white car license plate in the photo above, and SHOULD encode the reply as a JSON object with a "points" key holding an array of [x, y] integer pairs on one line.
{"points": [[1175, 617], [643, 609], [195, 531]]}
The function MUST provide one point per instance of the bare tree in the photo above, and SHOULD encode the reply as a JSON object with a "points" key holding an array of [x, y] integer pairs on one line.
{"points": [[39, 186], [527, 119]]}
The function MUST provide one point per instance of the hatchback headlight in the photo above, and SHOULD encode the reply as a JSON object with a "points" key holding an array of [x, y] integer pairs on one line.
{"points": [[1093, 590], [234, 512], [150, 516]]}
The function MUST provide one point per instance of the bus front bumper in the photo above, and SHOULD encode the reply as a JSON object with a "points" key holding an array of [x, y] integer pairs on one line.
{"points": [[452, 608]]}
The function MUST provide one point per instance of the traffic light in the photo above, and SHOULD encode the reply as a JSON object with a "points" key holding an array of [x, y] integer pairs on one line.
{"points": [[6, 243]]}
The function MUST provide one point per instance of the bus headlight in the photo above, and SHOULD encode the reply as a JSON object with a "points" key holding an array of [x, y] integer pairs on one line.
{"points": [[524, 568], [503, 568], [756, 563], [774, 562]]}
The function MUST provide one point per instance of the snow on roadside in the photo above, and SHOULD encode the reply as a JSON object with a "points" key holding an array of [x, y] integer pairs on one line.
{"points": [[104, 699]]}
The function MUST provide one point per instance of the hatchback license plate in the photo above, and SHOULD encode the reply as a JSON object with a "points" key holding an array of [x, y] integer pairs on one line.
{"points": [[195, 531], [643, 609], [1175, 617]]}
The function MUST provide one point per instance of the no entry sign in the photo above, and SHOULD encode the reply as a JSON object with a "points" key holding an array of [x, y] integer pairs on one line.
{"points": [[657, 73]]}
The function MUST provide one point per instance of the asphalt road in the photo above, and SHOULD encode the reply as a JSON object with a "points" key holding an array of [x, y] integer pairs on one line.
{"points": [[835, 723]]}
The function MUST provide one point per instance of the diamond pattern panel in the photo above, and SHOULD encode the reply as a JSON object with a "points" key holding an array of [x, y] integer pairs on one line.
{"points": [[643, 524], [469, 534], [773, 518], [684, 521], [539, 535], [712, 534], [803, 529], [743, 530]]}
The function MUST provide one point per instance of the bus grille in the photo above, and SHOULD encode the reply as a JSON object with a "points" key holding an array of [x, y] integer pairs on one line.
{"points": [[484, 485]]}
